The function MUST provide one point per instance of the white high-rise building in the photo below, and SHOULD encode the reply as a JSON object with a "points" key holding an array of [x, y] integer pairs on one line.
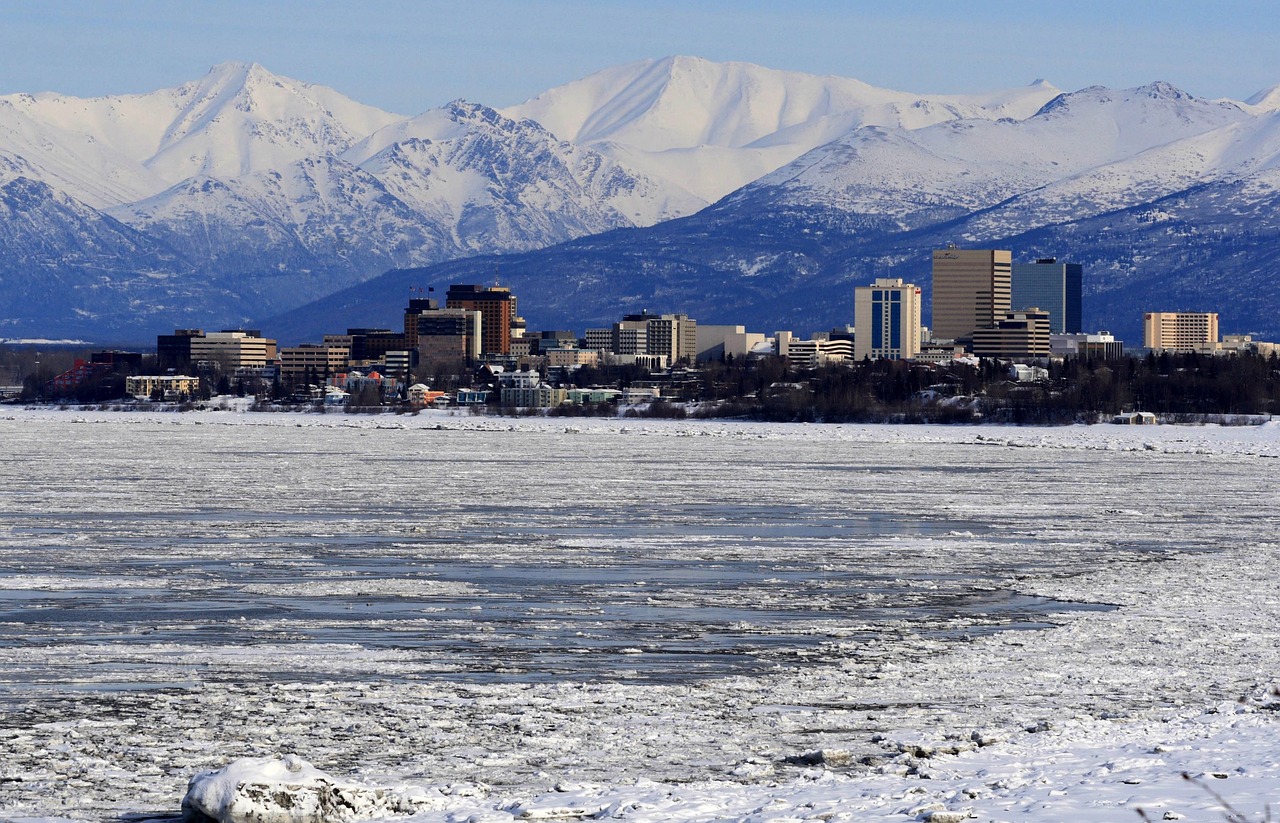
{"points": [[886, 320]]}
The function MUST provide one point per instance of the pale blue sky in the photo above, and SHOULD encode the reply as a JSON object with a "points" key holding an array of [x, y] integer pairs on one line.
{"points": [[408, 56]]}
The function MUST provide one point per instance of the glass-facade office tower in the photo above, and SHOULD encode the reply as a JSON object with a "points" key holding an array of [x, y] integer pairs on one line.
{"points": [[1051, 286]]}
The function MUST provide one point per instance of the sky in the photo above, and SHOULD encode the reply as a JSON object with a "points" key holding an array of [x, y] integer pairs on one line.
{"points": [[407, 56]]}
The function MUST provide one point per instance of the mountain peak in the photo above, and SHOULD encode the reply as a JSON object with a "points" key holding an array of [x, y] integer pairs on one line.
{"points": [[1103, 96], [1161, 90], [238, 73], [1268, 99]]}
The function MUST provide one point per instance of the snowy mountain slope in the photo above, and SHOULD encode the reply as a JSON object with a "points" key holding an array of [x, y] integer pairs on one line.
{"points": [[468, 158], [679, 115], [66, 266], [71, 160], [1265, 100], [1237, 151], [949, 169], [483, 183], [242, 119], [303, 230], [237, 120]]}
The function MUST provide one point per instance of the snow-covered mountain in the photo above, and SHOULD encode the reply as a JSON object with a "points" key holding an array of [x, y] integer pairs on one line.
{"points": [[1169, 200], [714, 127], [237, 120], [244, 194], [950, 169]]}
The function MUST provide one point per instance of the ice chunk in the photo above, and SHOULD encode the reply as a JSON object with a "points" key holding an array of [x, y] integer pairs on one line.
{"points": [[283, 790]]}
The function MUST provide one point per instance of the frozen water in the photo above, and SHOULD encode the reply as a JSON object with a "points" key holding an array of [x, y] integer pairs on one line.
{"points": [[488, 610]]}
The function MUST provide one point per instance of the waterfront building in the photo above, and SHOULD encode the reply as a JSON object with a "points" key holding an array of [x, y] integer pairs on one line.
{"points": [[525, 389], [168, 386]]}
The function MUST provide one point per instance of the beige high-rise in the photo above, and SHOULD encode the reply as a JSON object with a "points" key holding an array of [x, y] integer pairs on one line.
{"points": [[970, 290], [1181, 331]]}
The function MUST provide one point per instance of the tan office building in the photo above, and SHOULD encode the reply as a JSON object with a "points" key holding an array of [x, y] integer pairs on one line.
{"points": [[970, 290], [231, 350], [1179, 330]]}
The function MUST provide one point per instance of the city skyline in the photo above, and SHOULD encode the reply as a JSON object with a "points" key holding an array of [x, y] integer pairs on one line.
{"points": [[410, 57]]}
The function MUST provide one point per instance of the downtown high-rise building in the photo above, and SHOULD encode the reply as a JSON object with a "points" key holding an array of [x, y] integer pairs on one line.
{"points": [[970, 291], [1051, 286], [497, 307], [886, 320]]}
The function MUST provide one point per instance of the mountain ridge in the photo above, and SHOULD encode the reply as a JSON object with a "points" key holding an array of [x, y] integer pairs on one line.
{"points": [[731, 186]]}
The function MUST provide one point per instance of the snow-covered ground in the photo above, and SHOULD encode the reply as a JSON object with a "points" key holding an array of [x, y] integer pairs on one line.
{"points": [[642, 620]]}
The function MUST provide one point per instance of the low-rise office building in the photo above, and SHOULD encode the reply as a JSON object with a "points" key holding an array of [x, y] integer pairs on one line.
{"points": [[819, 350], [1100, 346], [226, 351], [320, 361], [1017, 335], [718, 342]]}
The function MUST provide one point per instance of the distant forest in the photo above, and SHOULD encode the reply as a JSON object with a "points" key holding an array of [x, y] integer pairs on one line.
{"points": [[1175, 386]]}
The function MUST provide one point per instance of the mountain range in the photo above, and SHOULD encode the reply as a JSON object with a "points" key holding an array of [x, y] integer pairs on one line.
{"points": [[730, 191]]}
